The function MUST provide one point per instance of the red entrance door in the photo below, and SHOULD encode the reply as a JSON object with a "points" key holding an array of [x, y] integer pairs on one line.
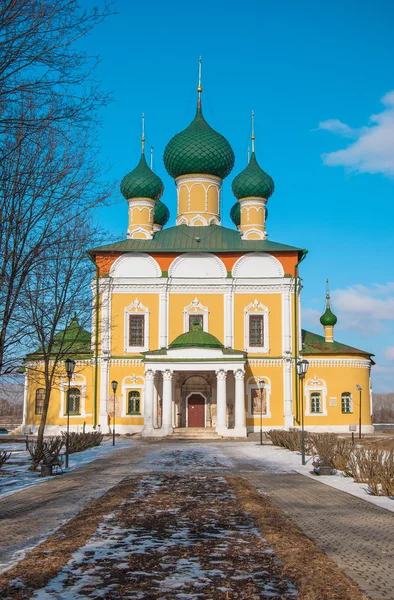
{"points": [[196, 410]]}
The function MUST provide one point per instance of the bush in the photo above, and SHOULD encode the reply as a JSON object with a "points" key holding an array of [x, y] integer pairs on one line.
{"points": [[4, 456], [375, 468], [78, 442], [289, 439], [52, 444]]}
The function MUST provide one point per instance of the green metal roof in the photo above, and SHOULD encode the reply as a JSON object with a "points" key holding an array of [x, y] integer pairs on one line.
{"points": [[316, 344], [196, 338], [142, 182], [161, 214], [183, 238], [253, 181], [199, 149], [73, 340], [328, 318]]}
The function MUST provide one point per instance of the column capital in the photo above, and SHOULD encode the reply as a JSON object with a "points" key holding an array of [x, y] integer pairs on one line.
{"points": [[167, 375], [150, 374], [239, 374], [221, 374]]}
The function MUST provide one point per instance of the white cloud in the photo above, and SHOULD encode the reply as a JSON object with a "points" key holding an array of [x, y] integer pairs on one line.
{"points": [[368, 310], [389, 353], [373, 148]]}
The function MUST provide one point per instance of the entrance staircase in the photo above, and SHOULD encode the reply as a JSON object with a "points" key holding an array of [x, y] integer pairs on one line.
{"points": [[194, 433]]}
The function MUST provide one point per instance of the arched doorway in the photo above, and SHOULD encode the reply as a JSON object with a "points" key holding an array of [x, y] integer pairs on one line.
{"points": [[196, 410]]}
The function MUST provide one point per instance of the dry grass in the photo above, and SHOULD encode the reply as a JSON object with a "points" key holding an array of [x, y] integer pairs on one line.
{"points": [[316, 576]]}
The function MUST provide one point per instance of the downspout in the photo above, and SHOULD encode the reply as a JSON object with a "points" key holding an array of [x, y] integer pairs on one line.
{"points": [[296, 348], [96, 342]]}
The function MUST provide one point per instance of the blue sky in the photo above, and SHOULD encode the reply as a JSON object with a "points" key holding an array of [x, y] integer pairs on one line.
{"points": [[315, 74]]}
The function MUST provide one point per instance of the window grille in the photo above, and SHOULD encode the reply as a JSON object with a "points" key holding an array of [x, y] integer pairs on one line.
{"points": [[315, 402], [74, 401], [40, 397], [133, 403], [256, 330], [347, 403], [136, 330], [193, 318]]}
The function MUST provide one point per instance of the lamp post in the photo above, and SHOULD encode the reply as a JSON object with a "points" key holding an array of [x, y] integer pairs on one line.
{"points": [[302, 368], [114, 387], [359, 388], [70, 366], [261, 385]]}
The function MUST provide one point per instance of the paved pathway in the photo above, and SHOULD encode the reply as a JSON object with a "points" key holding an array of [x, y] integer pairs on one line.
{"points": [[358, 536]]}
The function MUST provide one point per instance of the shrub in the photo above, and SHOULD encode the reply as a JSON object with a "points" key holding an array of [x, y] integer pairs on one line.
{"points": [[289, 439], [82, 441], [4, 456], [52, 444]]}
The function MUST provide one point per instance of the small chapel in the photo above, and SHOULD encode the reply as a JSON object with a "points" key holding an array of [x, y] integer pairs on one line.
{"points": [[200, 325]]}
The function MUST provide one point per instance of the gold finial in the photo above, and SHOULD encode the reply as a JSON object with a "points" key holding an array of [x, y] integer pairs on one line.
{"points": [[199, 87], [151, 158], [143, 133], [327, 294], [252, 136]]}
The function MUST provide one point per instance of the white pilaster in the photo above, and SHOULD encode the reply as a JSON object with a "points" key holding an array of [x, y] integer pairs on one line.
{"points": [[286, 322], [221, 428], [163, 319], [240, 428], [105, 319], [148, 403], [167, 427], [104, 387], [24, 422], [155, 411], [287, 393], [228, 319]]}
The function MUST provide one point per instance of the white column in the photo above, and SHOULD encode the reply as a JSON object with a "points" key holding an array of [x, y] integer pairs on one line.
{"points": [[228, 320], [104, 386], [24, 422], [155, 399], [148, 402], [221, 402], [240, 428], [163, 319], [167, 428]]}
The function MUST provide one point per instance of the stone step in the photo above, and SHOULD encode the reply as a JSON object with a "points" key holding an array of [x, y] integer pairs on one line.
{"points": [[187, 433]]}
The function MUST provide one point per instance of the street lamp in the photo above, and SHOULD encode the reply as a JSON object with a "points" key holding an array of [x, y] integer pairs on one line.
{"points": [[302, 368], [114, 387], [261, 384], [70, 366], [359, 388]]}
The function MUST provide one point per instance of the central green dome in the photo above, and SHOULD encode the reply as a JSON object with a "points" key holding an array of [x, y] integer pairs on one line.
{"points": [[199, 149], [196, 338], [142, 182], [253, 182]]}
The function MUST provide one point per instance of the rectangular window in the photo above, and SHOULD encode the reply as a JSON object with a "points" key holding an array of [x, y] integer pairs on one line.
{"points": [[133, 404], [259, 401], [136, 330], [196, 318], [40, 397], [74, 401], [256, 331], [315, 402], [347, 403]]}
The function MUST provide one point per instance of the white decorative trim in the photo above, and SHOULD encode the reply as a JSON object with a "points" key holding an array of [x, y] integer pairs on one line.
{"points": [[354, 363], [195, 308], [200, 257], [204, 222], [252, 384], [270, 362], [269, 259], [256, 308], [262, 235], [315, 385], [138, 308], [77, 381], [126, 362], [131, 235], [130, 383], [132, 259]]}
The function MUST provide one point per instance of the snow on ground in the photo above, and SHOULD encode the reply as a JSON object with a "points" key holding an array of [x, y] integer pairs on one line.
{"points": [[177, 536], [279, 460], [15, 476]]}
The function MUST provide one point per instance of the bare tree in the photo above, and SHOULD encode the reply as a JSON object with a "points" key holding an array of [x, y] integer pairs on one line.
{"points": [[383, 408]]}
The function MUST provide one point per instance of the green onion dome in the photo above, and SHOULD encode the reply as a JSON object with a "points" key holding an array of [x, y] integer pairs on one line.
{"points": [[235, 214], [328, 318], [142, 182], [253, 182], [196, 338], [199, 149], [161, 214]]}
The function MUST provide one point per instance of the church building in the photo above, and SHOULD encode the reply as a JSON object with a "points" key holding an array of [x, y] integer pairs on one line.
{"points": [[199, 324]]}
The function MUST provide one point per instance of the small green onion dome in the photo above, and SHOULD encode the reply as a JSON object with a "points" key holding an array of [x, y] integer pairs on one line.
{"points": [[235, 214], [253, 182], [161, 214], [142, 182], [199, 149], [328, 318], [196, 338]]}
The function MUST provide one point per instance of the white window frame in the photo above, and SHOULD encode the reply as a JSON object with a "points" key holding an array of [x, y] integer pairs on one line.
{"points": [[349, 395], [129, 384], [77, 381], [136, 308], [252, 384], [195, 308], [255, 308], [315, 385]]}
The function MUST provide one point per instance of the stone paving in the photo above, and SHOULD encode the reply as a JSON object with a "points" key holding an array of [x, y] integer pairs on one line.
{"points": [[358, 536]]}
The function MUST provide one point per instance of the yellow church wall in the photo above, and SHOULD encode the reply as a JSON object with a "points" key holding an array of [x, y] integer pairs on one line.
{"points": [[273, 302], [273, 377], [120, 302], [129, 378], [177, 304]]}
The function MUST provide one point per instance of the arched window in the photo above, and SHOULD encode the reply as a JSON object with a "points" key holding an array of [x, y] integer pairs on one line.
{"points": [[74, 401], [347, 404], [40, 397], [133, 403], [316, 402]]}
